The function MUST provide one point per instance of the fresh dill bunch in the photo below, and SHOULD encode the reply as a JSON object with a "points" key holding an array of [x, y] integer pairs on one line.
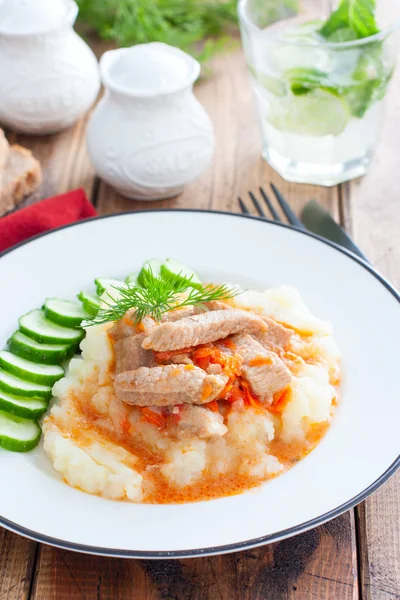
{"points": [[157, 297], [186, 24]]}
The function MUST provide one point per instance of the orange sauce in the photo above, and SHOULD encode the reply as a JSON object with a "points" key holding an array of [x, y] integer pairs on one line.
{"points": [[85, 428], [212, 486], [290, 453], [213, 406]]}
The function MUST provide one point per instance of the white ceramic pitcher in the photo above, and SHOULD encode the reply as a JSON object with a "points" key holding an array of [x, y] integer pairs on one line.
{"points": [[149, 136], [48, 75]]}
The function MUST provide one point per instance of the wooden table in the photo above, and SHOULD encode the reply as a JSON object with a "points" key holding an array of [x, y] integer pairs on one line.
{"points": [[356, 556]]}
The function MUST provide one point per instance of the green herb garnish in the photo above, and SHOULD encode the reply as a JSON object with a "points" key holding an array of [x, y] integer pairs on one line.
{"points": [[182, 23], [157, 297], [356, 17]]}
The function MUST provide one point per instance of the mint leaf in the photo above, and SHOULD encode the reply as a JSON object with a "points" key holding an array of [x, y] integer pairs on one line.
{"points": [[360, 97], [356, 15], [355, 19], [345, 34], [381, 88], [304, 80], [371, 78], [362, 17], [338, 19], [368, 83], [370, 65]]}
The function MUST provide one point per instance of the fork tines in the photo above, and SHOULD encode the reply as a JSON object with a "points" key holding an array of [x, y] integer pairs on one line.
{"points": [[286, 209]]}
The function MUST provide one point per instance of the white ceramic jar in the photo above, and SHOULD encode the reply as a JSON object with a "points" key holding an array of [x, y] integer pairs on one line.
{"points": [[149, 136], [48, 75]]}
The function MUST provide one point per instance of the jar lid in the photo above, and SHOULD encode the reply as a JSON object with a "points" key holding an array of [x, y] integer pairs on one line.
{"points": [[147, 70], [30, 17]]}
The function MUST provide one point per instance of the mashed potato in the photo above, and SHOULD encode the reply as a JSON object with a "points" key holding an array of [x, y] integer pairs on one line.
{"points": [[86, 433]]}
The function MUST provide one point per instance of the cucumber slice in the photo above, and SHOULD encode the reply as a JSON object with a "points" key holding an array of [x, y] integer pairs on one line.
{"points": [[49, 354], [18, 387], [132, 278], [29, 408], [90, 303], [174, 269], [36, 326], [18, 435], [152, 266], [30, 371], [103, 284], [64, 312]]}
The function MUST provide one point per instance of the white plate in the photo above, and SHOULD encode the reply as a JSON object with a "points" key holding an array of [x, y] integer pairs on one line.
{"points": [[359, 452]]}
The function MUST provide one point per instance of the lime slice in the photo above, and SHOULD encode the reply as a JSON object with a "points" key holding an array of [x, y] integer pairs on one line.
{"points": [[315, 114], [271, 83]]}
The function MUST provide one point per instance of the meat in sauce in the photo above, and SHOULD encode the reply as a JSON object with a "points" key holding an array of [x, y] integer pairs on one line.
{"points": [[276, 335], [202, 329], [168, 385], [263, 369], [129, 354]]}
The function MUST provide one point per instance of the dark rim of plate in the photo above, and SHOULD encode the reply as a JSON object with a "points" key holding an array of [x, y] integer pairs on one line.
{"points": [[279, 535]]}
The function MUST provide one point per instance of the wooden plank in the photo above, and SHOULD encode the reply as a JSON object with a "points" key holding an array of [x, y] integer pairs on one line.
{"points": [[370, 209], [317, 565], [17, 558]]}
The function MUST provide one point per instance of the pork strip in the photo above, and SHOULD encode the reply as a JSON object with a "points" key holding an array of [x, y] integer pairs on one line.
{"points": [[276, 335], [263, 369], [202, 329], [181, 313], [129, 354], [191, 311], [168, 385], [198, 422], [217, 305]]}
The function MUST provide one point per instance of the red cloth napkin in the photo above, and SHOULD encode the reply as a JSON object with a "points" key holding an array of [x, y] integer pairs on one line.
{"points": [[43, 216]]}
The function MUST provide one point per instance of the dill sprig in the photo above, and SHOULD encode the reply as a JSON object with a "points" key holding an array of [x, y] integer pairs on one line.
{"points": [[157, 297], [200, 27]]}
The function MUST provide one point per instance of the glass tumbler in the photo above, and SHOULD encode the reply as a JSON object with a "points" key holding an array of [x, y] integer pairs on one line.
{"points": [[319, 92]]}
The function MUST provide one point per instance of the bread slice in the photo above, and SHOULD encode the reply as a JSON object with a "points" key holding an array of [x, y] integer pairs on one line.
{"points": [[21, 176], [4, 147]]}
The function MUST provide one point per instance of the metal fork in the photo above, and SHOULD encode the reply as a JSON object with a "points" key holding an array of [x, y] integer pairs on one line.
{"points": [[287, 211], [318, 220]]}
